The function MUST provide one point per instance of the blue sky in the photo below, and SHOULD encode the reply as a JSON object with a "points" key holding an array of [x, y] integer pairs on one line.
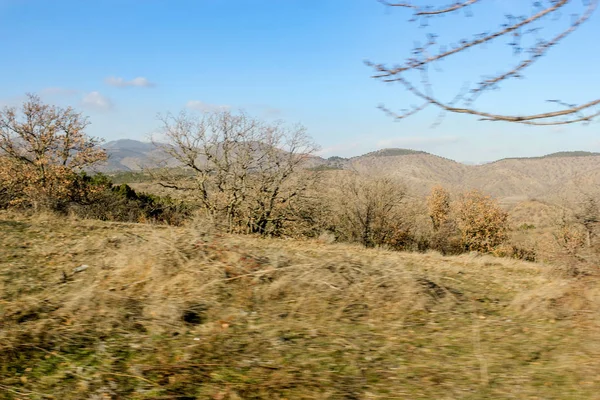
{"points": [[121, 62]]}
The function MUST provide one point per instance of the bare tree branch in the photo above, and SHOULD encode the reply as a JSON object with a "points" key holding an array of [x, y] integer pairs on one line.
{"points": [[421, 59], [414, 63], [523, 119], [420, 11], [538, 52]]}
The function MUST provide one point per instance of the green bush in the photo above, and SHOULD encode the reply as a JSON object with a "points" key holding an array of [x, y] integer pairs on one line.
{"points": [[100, 199], [526, 227]]}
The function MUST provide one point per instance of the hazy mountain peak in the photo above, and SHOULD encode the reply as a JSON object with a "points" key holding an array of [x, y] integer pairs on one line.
{"points": [[128, 144], [571, 154], [391, 152]]}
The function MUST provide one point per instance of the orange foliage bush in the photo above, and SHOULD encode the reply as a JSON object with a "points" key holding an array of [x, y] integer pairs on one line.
{"points": [[42, 150], [481, 221], [570, 239], [438, 204]]}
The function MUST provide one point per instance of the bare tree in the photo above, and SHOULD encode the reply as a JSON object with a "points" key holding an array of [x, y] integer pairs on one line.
{"points": [[368, 210], [525, 34], [244, 170], [47, 145], [589, 216]]}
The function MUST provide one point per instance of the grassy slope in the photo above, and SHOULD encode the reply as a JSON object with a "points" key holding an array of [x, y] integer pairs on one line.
{"points": [[274, 319]]}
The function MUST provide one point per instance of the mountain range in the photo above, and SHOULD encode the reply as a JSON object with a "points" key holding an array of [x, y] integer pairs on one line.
{"points": [[557, 175]]}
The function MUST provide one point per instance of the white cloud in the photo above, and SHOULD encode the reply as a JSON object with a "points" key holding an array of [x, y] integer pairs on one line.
{"points": [[122, 83], [205, 107], [418, 141], [97, 101]]}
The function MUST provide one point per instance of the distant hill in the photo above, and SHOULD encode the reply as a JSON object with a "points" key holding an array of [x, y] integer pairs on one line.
{"points": [[392, 153], [559, 175], [559, 154], [129, 146], [131, 155], [571, 154]]}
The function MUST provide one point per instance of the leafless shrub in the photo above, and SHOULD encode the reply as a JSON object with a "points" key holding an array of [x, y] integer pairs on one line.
{"points": [[514, 251], [588, 216], [369, 210]]}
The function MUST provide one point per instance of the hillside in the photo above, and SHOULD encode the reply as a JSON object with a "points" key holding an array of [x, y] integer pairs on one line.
{"points": [[543, 177], [155, 312], [564, 175], [560, 154], [131, 155], [556, 177], [419, 171], [392, 152]]}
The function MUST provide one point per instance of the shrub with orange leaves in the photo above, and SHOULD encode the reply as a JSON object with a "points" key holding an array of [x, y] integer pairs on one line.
{"points": [[569, 238], [42, 150], [438, 205], [481, 221]]}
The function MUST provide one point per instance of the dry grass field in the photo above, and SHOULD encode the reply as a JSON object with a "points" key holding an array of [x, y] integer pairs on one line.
{"points": [[246, 249], [161, 312]]}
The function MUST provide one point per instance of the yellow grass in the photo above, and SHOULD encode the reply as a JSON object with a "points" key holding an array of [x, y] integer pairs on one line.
{"points": [[167, 313]]}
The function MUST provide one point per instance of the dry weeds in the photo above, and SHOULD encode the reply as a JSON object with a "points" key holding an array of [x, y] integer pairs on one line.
{"points": [[185, 313]]}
